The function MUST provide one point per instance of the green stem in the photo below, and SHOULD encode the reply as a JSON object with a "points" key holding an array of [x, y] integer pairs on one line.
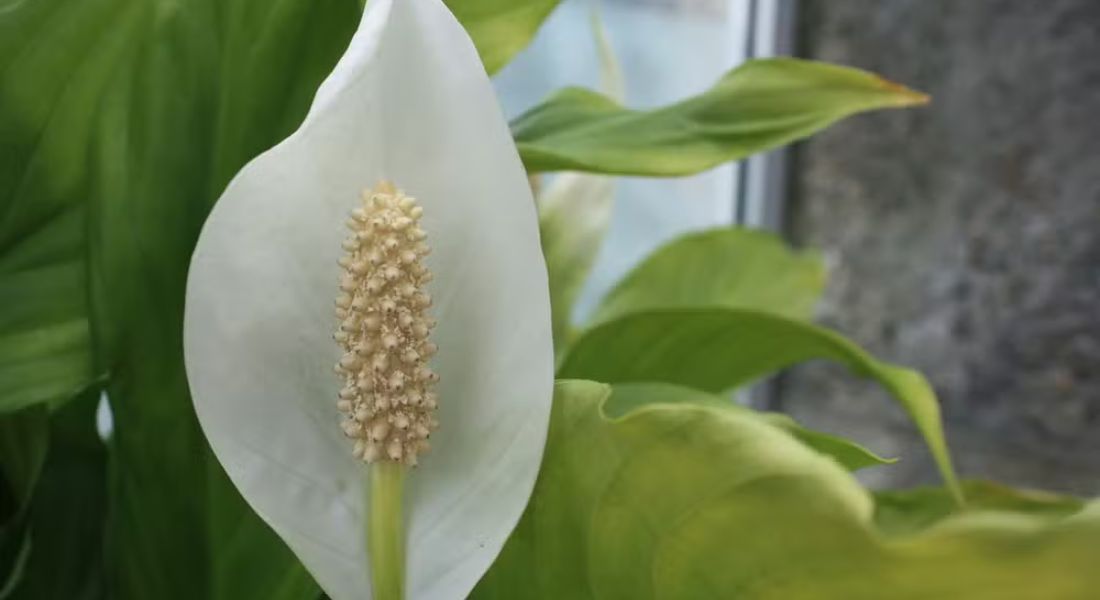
{"points": [[386, 531]]}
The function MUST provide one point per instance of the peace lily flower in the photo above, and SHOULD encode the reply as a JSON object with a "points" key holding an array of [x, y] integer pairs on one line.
{"points": [[403, 169]]}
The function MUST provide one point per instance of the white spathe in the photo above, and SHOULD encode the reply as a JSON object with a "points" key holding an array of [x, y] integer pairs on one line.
{"points": [[409, 102]]}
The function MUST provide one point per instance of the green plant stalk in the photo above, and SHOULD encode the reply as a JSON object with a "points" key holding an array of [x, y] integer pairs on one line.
{"points": [[386, 531]]}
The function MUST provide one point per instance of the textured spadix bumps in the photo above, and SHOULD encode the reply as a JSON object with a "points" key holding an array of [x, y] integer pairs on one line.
{"points": [[388, 399]]}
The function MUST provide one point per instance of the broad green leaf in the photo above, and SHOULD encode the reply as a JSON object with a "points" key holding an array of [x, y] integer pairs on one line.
{"points": [[906, 511], [760, 105], [501, 28], [251, 561], [717, 349], [24, 437], [632, 396], [614, 493], [45, 352], [687, 501], [198, 107], [125, 119], [67, 515], [44, 333], [846, 452], [997, 555], [726, 267]]}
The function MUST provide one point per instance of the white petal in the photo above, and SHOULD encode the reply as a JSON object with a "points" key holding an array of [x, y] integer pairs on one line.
{"points": [[409, 102]]}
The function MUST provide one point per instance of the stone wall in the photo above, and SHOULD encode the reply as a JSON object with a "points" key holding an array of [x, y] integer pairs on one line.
{"points": [[963, 237]]}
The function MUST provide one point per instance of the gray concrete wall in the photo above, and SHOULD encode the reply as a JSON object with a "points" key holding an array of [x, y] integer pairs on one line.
{"points": [[964, 237]]}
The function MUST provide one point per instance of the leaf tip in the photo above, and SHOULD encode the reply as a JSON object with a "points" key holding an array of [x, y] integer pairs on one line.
{"points": [[904, 96]]}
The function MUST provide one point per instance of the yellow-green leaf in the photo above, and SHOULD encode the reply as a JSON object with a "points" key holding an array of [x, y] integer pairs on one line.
{"points": [[632, 396], [725, 267], [913, 510], [501, 28], [716, 349], [681, 500], [760, 105]]}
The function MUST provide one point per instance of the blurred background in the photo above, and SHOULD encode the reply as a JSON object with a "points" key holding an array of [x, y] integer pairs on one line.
{"points": [[962, 238]]}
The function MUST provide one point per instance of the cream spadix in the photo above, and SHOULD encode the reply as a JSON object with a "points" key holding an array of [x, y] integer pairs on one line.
{"points": [[388, 400], [409, 102]]}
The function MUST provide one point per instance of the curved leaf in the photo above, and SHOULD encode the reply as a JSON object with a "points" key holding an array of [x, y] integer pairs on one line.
{"points": [[67, 514], [45, 343], [632, 396], [501, 28], [24, 437], [757, 106], [123, 120], [716, 349], [729, 267], [846, 452], [45, 354], [623, 488], [912, 510], [998, 555], [689, 501]]}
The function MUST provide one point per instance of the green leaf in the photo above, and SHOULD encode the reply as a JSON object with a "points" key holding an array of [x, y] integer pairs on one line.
{"points": [[689, 501], [24, 437], [67, 515], [126, 119], [251, 561], [734, 268], [45, 352], [998, 555], [846, 452], [501, 28], [907, 511], [626, 488], [632, 396], [198, 108], [716, 349], [760, 105], [44, 333]]}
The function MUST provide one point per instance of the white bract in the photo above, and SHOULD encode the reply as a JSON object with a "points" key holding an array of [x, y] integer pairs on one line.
{"points": [[408, 103]]}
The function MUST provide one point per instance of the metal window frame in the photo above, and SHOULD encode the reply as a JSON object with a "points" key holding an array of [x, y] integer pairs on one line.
{"points": [[760, 182]]}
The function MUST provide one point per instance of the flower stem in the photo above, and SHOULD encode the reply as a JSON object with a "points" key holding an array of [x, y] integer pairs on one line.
{"points": [[386, 531]]}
